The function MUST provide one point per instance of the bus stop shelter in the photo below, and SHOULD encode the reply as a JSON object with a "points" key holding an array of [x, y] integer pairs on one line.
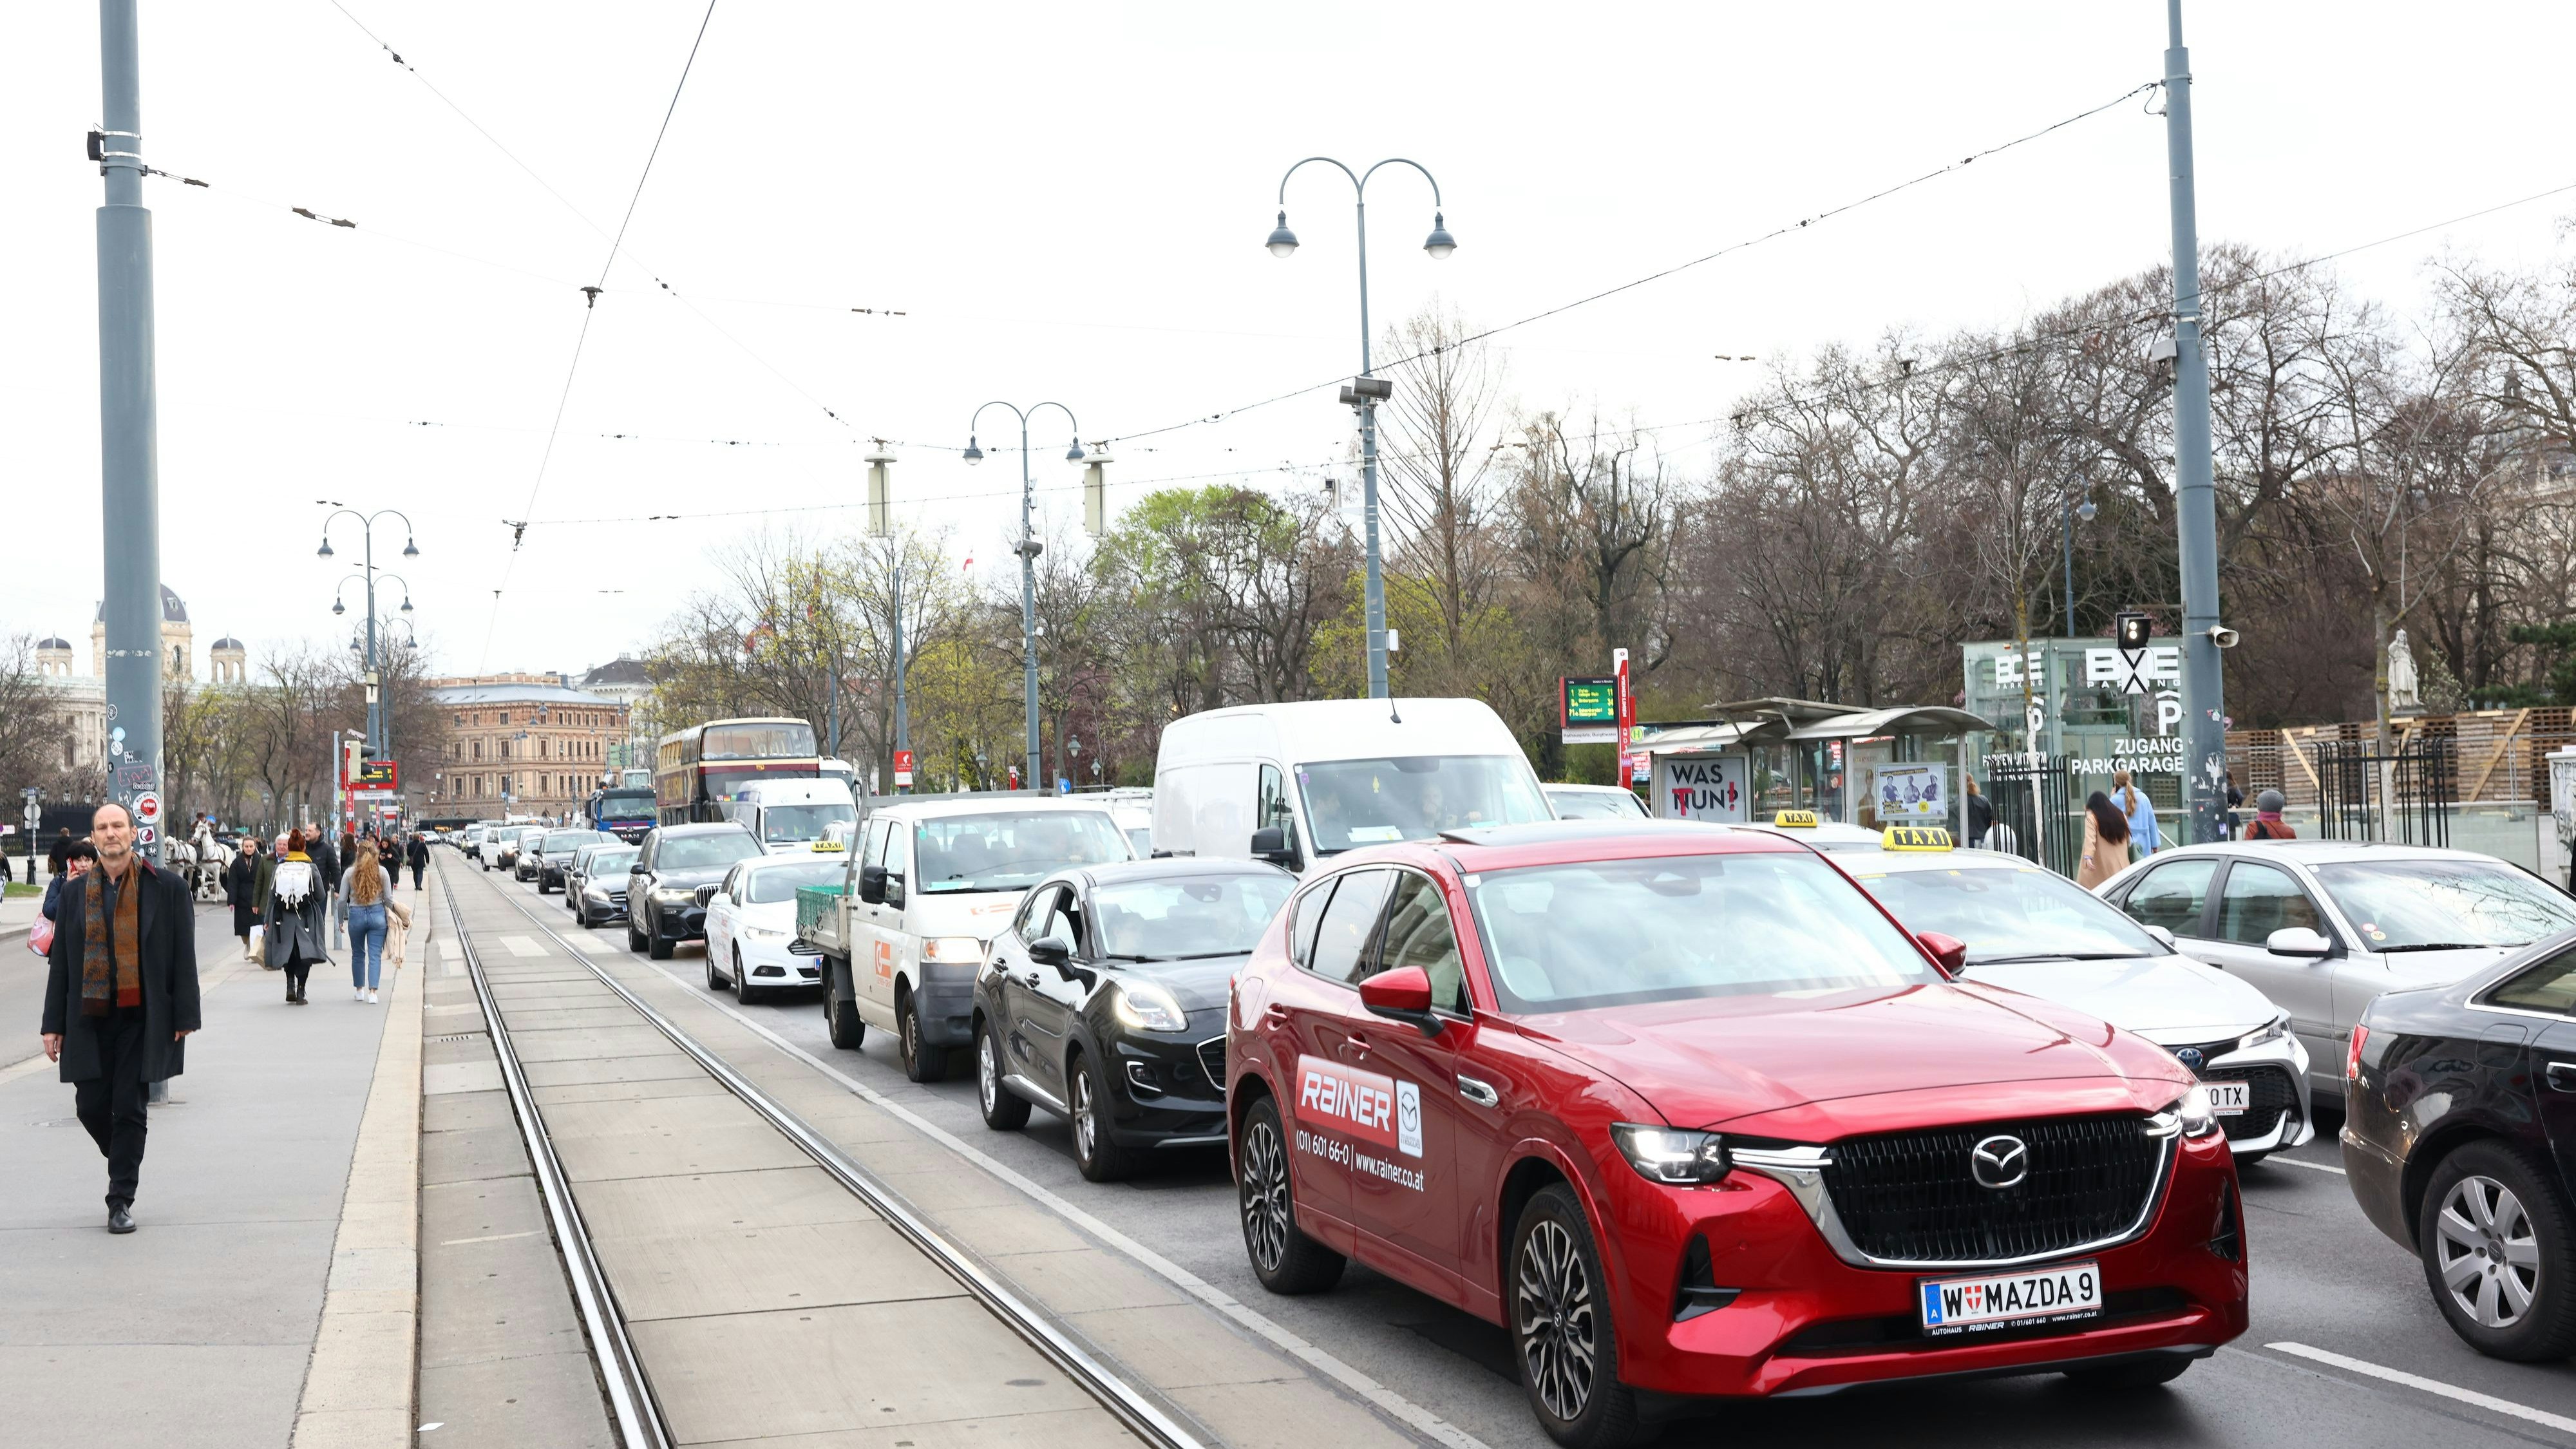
{"points": [[1862, 765]]}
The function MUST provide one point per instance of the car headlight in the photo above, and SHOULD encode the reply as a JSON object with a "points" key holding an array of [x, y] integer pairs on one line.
{"points": [[670, 897], [2273, 1030], [1671, 1154], [1148, 1006], [2199, 1116], [953, 950], [762, 933]]}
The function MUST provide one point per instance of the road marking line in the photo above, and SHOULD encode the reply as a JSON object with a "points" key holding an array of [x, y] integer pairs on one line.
{"points": [[494, 1238], [2310, 1166], [2431, 1386], [521, 945], [1393, 1404]]}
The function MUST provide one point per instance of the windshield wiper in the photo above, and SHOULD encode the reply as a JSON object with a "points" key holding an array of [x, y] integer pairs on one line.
{"points": [[1203, 956], [2449, 946], [2051, 956]]}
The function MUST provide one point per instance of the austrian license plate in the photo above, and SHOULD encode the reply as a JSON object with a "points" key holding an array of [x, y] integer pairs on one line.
{"points": [[1991, 1301], [2229, 1099]]}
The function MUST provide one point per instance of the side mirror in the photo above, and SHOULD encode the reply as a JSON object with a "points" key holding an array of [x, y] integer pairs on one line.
{"points": [[872, 884], [2163, 935], [2298, 941], [1403, 994], [1270, 843], [1051, 951], [705, 893], [1950, 951]]}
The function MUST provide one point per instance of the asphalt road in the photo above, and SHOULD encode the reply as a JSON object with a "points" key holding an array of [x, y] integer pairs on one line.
{"points": [[2324, 1282]]}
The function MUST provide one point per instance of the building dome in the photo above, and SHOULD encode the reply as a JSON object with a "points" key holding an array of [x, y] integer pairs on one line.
{"points": [[228, 642], [57, 642], [174, 610]]}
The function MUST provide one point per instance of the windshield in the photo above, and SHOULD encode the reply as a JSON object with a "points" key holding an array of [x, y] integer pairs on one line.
{"points": [[779, 882], [627, 805], [2400, 905], [609, 862], [757, 742], [2009, 913], [1010, 852], [1182, 920], [1595, 805], [562, 842], [1353, 803], [803, 822], [695, 852], [1615, 932]]}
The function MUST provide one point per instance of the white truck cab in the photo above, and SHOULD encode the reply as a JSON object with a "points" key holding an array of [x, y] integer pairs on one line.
{"points": [[932, 881], [788, 816], [1296, 784]]}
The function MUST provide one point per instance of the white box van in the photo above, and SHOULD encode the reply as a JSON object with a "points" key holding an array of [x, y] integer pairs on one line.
{"points": [[1295, 784], [790, 815]]}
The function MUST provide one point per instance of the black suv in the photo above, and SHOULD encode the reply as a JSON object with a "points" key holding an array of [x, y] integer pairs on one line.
{"points": [[662, 906]]}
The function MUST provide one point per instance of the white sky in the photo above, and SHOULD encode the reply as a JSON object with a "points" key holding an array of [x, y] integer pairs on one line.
{"points": [[1069, 203]]}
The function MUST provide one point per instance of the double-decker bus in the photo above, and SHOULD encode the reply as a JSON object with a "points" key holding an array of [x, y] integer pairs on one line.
{"points": [[696, 772]]}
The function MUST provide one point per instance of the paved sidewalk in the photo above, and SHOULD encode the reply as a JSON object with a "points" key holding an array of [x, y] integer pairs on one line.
{"points": [[198, 1329]]}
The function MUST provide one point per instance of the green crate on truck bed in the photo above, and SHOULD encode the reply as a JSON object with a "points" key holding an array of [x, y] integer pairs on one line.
{"points": [[813, 904]]}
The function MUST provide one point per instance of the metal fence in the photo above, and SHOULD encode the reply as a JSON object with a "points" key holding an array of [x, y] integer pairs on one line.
{"points": [[2035, 810], [2401, 795]]}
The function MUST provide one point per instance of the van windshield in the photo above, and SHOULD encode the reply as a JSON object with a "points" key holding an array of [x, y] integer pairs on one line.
{"points": [[1010, 852], [1356, 803], [802, 822]]}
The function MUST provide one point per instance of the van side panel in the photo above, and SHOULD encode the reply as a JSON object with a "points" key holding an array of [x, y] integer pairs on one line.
{"points": [[1204, 809]]}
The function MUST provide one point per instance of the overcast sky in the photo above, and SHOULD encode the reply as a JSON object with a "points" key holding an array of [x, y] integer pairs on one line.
{"points": [[1068, 203]]}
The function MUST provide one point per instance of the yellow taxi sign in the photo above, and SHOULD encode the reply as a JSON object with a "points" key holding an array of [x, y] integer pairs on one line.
{"points": [[1794, 820], [827, 844], [1914, 837]]}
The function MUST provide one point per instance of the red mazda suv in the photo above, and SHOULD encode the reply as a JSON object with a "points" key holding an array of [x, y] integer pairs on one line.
{"points": [[1689, 1115]]}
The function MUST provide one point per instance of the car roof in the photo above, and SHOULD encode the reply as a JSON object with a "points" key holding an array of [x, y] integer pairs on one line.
{"points": [[1876, 858], [795, 857], [2319, 852], [704, 827], [1589, 789], [997, 803], [1171, 867], [1559, 842]]}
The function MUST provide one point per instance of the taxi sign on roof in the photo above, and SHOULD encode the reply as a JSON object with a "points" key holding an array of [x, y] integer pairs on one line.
{"points": [[1794, 820], [826, 844], [1914, 837]]}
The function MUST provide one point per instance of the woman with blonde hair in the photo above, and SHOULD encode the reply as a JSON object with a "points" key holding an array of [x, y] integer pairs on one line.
{"points": [[366, 886], [2140, 812]]}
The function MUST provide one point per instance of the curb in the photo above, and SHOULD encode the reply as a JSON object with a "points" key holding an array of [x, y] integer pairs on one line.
{"points": [[359, 1388]]}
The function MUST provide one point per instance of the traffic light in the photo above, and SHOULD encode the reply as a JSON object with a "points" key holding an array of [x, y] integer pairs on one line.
{"points": [[2130, 629]]}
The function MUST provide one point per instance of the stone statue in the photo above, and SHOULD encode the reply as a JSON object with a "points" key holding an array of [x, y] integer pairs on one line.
{"points": [[2403, 692]]}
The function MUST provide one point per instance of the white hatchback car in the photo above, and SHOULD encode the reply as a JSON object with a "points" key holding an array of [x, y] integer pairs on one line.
{"points": [[2038, 933], [751, 923], [2322, 927]]}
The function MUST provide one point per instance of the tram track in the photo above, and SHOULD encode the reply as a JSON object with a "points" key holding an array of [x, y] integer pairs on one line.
{"points": [[640, 1422]]}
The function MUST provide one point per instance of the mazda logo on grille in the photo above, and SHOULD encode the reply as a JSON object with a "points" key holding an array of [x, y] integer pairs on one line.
{"points": [[1999, 1162], [2190, 1057]]}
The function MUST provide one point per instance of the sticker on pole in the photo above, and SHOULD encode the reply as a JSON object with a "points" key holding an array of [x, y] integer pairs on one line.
{"points": [[147, 810]]}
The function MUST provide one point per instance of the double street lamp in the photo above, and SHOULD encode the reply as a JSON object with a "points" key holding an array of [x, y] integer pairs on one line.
{"points": [[367, 571], [1367, 391], [1028, 548]]}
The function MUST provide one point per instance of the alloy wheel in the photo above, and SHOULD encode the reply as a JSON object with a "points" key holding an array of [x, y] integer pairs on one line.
{"points": [[1553, 1305], [988, 1073], [1086, 1129], [2489, 1255], [1265, 1196]]}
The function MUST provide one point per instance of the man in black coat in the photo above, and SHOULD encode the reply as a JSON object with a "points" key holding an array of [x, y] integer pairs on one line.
{"points": [[120, 996], [417, 854]]}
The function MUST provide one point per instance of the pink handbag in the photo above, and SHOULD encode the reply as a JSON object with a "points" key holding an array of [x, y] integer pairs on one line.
{"points": [[40, 937]]}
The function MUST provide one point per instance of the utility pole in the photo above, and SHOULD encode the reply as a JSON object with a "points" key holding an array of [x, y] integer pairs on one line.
{"points": [[902, 717], [2204, 688], [128, 423]]}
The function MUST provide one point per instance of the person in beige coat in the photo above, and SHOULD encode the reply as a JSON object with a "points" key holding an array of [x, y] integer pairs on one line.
{"points": [[2106, 842]]}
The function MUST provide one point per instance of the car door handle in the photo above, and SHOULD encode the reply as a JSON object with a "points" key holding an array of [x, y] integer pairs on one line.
{"points": [[1358, 1045], [2562, 1076], [1480, 1093], [1031, 979]]}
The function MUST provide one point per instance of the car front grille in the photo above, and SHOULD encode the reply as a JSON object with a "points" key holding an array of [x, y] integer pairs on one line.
{"points": [[2269, 1093], [1212, 1061], [1911, 1197]]}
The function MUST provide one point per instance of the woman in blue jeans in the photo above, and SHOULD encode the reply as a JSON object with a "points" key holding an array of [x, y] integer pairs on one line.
{"points": [[368, 889]]}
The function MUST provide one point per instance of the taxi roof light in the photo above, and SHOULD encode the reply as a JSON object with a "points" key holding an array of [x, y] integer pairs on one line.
{"points": [[1794, 820], [1915, 837]]}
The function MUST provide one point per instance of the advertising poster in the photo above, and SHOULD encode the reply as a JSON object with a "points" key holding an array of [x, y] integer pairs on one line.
{"points": [[1704, 787], [1911, 794]]}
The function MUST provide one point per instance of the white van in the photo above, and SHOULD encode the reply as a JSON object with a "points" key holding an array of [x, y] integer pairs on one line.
{"points": [[1295, 784], [790, 815]]}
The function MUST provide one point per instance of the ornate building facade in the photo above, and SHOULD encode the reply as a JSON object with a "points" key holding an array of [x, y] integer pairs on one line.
{"points": [[521, 744]]}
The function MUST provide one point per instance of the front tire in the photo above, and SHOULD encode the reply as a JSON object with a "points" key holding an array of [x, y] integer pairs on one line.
{"points": [[1285, 1260], [840, 1015], [743, 990], [1004, 1110], [1560, 1321], [2495, 1241], [714, 982], [657, 945], [634, 937], [1094, 1150], [921, 1063]]}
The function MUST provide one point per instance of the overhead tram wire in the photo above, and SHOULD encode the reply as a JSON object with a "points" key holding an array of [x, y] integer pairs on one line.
{"points": [[589, 310]]}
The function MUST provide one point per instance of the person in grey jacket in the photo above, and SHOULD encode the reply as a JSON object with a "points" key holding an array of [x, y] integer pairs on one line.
{"points": [[293, 914]]}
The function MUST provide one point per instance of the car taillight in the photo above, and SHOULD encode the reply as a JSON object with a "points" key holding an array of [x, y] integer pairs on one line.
{"points": [[2352, 1056]]}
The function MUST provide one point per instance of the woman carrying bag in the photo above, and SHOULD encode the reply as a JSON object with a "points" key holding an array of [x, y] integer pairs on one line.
{"points": [[293, 913], [241, 878], [366, 888]]}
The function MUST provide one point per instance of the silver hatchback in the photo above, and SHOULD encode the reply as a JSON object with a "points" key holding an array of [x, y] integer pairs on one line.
{"points": [[2322, 927]]}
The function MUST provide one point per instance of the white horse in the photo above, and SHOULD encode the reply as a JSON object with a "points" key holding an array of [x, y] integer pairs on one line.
{"points": [[202, 861]]}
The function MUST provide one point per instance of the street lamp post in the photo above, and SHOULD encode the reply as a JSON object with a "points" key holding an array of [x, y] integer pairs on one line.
{"points": [[2077, 504], [1366, 393], [411, 549], [1028, 548]]}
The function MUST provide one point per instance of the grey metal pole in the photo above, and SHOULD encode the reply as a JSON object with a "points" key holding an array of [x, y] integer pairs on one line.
{"points": [[2204, 688], [128, 423], [2066, 529], [902, 718], [1028, 605], [375, 707], [1376, 590]]}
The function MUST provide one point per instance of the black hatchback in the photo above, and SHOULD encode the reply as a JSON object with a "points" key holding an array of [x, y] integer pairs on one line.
{"points": [[2460, 1142], [1104, 1002]]}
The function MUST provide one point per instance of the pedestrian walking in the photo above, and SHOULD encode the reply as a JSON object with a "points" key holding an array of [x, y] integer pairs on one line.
{"points": [[2235, 807], [120, 997], [292, 912], [368, 888], [327, 865], [240, 879], [1981, 814], [2267, 823], [417, 853], [2145, 838], [71, 860], [2106, 842]]}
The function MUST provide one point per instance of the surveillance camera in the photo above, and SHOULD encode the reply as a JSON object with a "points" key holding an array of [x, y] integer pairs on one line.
{"points": [[2222, 636]]}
